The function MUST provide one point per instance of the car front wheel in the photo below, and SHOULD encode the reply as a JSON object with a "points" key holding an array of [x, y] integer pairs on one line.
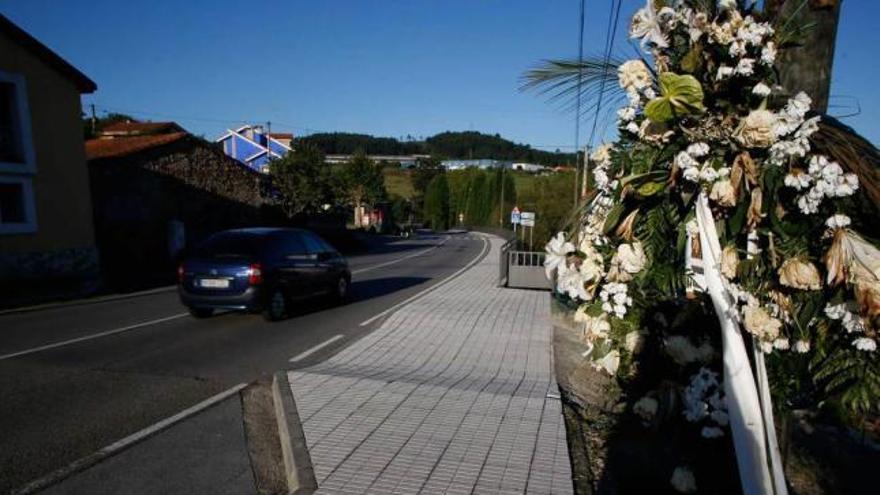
{"points": [[276, 306], [340, 292]]}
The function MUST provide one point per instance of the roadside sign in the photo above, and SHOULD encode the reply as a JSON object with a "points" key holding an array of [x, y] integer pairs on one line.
{"points": [[527, 219], [514, 216]]}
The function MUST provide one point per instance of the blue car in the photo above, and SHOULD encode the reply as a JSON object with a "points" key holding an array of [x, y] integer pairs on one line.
{"points": [[260, 270]]}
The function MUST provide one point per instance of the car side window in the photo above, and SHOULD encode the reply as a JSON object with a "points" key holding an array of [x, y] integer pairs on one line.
{"points": [[313, 245], [292, 244]]}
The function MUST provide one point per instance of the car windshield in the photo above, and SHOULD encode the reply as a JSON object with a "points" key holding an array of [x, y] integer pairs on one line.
{"points": [[231, 246]]}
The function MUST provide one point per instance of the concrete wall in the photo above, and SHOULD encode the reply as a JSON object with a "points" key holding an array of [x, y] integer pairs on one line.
{"points": [[61, 186]]}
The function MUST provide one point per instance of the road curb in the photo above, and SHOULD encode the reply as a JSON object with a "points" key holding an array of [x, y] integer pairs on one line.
{"points": [[297, 461]]}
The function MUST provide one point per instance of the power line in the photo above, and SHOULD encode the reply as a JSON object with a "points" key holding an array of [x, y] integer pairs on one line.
{"points": [[213, 120], [610, 34], [577, 113]]}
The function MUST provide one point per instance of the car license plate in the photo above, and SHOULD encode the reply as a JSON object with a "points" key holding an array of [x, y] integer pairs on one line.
{"points": [[214, 283]]}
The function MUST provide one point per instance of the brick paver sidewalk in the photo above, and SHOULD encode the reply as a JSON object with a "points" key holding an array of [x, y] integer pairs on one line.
{"points": [[449, 395]]}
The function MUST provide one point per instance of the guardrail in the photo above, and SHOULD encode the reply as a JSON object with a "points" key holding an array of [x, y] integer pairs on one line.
{"points": [[521, 269]]}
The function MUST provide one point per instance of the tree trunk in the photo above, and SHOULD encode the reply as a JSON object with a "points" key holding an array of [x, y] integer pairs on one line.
{"points": [[808, 67]]}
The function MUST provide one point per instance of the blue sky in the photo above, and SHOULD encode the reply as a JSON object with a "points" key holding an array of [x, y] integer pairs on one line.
{"points": [[384, 67]]}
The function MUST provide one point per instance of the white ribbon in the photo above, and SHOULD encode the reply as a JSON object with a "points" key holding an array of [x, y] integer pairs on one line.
{"points": [[751, 417]]}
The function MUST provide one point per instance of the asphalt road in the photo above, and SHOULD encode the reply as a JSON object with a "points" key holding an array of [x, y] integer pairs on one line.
{"points": [[139, 360]]}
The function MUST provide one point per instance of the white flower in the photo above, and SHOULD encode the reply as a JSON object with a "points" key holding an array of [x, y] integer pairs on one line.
{"points": [[698, 150], [712, 432], [646, 26], [726, 4], [865, 344], [626, 114], [615, 299], [781, 344], [609, 362], [768, 54], [745, 67], [633, 128], [761, 90], [571, 282], [802, 346], [723, 72], [557, 251], [729, 262], [683, 480], [631, 257], [798, 179], [645, 408], [634, 75]]}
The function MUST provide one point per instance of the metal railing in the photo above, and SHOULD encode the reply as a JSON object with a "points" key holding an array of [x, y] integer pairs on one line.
{"points": [[521, 269]]}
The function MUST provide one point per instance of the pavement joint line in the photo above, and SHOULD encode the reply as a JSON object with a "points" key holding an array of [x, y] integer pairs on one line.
{"points": [[398, 260], [92, 459], [309, 352], [403, 303], [91, 337]]}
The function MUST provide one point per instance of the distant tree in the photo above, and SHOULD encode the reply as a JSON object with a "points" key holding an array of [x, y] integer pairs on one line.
{"points": [[302, 181], [362, 181], [437, 203], [424, 173]]}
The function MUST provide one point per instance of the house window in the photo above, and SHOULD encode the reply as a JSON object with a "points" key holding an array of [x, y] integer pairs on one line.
{"points": [[17, 214]]}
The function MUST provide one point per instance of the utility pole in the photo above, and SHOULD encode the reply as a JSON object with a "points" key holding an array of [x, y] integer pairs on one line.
{"points": [[501, 206], [807, 67], [94, 119], [586, 173], [268, 128]]}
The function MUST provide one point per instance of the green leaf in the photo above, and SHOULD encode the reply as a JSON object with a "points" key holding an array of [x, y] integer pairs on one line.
{"points": [[679, 95], [613, 218], [690, 63], [650, 188]]}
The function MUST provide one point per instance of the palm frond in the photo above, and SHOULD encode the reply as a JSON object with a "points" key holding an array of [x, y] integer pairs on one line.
{"points": [[562, 80]]}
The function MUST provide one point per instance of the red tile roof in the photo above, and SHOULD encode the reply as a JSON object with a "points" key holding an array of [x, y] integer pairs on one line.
{"points": [[281, 135], [140, 127], [122, 146]]}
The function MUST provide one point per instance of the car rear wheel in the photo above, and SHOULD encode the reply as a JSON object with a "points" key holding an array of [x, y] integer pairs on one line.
{"points": [[201, 312], [340, 292], [276, 306]]}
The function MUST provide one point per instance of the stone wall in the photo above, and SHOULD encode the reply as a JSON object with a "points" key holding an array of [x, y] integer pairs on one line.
{"points": [[138, 197]]}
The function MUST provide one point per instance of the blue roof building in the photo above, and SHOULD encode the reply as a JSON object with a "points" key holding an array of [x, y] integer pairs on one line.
{"points": [[253, 147]]}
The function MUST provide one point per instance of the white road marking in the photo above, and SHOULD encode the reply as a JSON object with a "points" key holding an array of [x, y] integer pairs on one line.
{"points": [[91, 337], [429, 289], [303, 355], [96, 457], [398, 260]]}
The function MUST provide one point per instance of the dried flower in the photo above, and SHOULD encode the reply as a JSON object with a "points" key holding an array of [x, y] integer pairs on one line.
{"points": [[757, 130], [625, 229], [759, 323], [729, 262], [799, 274], [754, 215], [723, 193]]}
